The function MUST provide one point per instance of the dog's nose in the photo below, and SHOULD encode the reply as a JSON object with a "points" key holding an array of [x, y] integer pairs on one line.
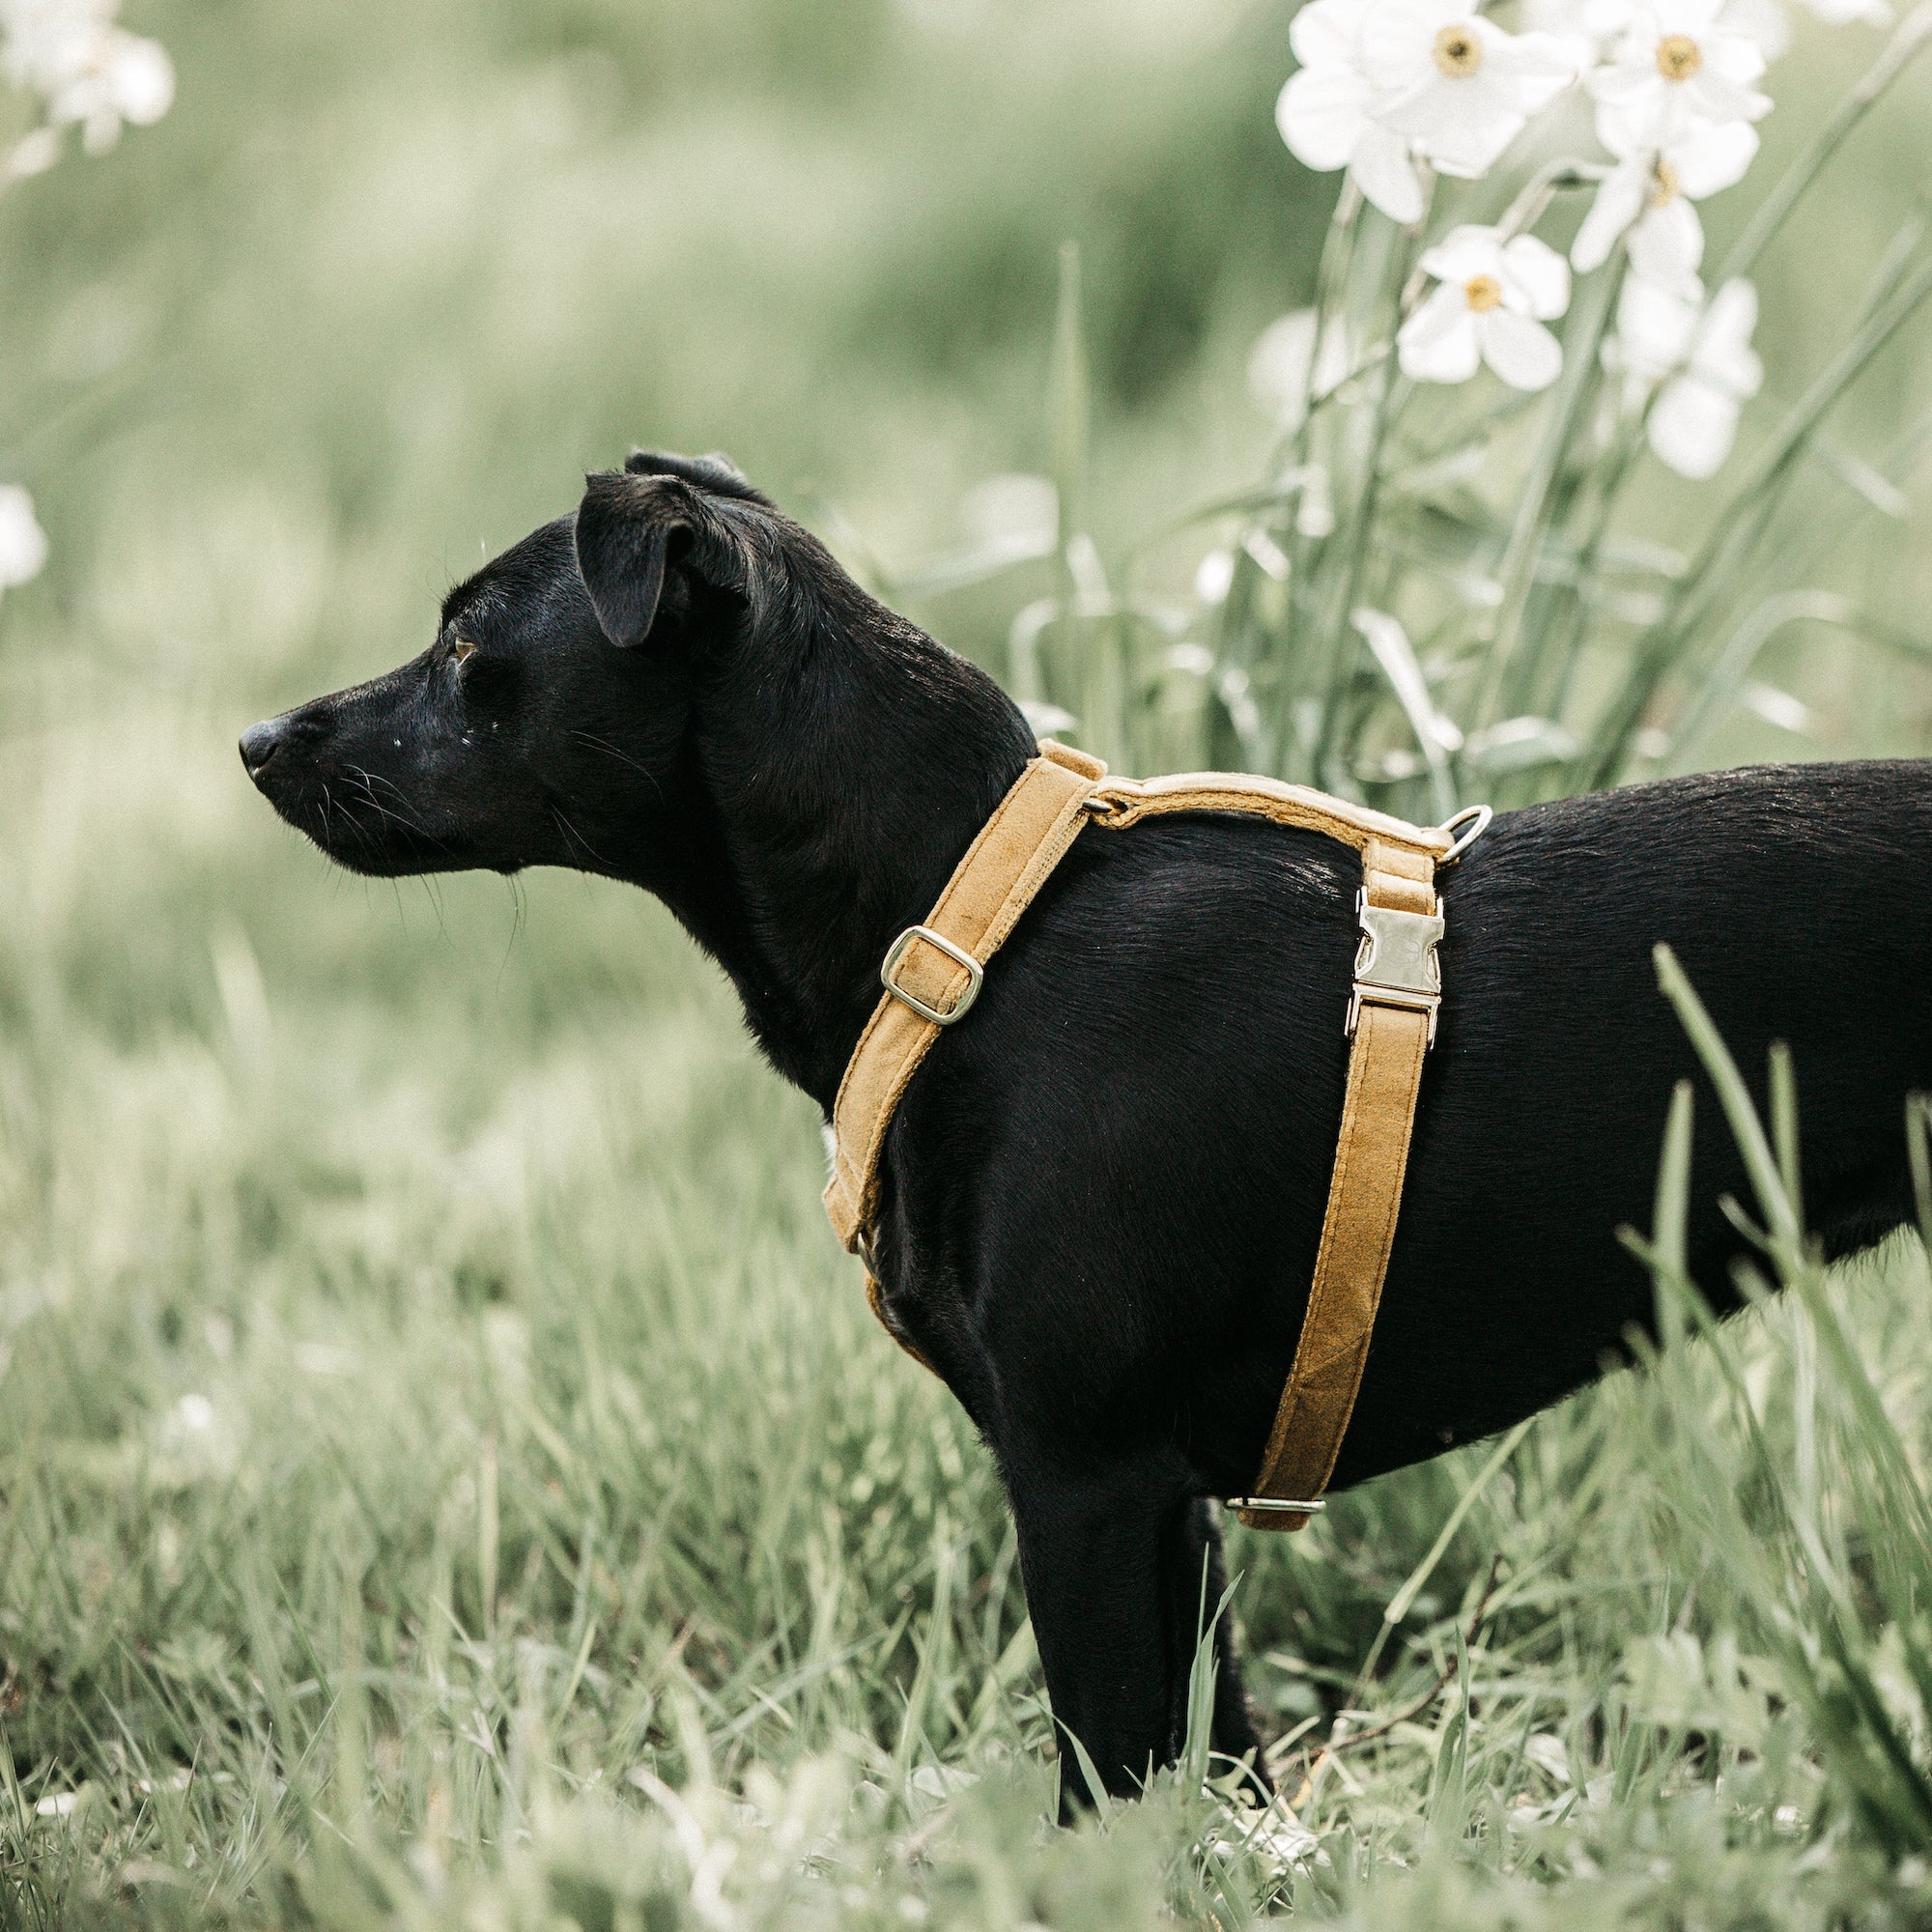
{"points": [[261, 742]]}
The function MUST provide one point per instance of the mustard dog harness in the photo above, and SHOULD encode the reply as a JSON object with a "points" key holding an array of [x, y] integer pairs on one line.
{"points": [[932, 975]]}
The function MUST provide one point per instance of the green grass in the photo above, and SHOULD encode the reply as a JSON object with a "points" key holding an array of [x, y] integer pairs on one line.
{"points": [[448, 1476]]}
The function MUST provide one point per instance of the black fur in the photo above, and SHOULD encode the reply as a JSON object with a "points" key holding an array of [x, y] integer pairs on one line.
{"points": [[1102, 1193]]}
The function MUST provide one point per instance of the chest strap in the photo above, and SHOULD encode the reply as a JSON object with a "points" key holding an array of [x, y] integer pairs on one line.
{"points": [[932, 975]]}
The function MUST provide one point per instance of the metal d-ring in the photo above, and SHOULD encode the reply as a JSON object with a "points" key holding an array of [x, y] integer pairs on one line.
{"points": [[1481, 814]]}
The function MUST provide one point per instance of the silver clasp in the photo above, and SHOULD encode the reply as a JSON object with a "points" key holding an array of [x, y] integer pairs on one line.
{"points": [[968, 993], [1396, 963], [1275, 1505]]}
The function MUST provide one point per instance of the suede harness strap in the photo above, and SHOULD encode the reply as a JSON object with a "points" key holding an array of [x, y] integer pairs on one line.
{"points": [[932, 975]]}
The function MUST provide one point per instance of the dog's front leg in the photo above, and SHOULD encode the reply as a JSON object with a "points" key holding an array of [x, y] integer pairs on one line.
{"points": [[1116, 1556]]}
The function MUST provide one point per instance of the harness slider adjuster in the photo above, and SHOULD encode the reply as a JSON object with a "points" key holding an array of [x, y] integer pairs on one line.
{"points": [[901, 946], [1396, 963]]}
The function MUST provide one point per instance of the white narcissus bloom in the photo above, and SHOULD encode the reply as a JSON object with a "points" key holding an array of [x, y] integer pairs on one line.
{"points": [[1493, 299], [1677, 65], [1384, 84], [1694, 419], [1654, 191], [1454, 83], [1705, 361], [1324, 112], [1656, 327], [1285, 374], [24, 544], [1583, 28], [90, 73]]}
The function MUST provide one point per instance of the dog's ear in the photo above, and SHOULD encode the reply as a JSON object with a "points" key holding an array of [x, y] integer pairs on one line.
{"points": [[716, 472], [634, 535]]}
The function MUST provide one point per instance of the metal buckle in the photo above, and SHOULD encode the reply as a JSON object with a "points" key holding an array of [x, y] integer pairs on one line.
{"points": [[902, 944], [1275, 1506], [1396, 963]]}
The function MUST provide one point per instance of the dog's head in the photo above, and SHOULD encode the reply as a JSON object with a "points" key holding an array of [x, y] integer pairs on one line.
{"points": [[678, 687], [546, 723]]}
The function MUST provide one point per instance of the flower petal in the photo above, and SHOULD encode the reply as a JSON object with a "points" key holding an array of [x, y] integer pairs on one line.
{"points": [[1463, 252], [1622, 82], [1762, 23], [1542, 274], [1619, 201], [1716, 97], [1540, 65], [1711, 157], [1656, 327], [1322, 114], [1692, 427], [1723, 356], [1463, 126], [1397, 36], [1668, 247], [1385, 174], [1522, 351], [1279, 363], [1323, 33], [1437, 343]]}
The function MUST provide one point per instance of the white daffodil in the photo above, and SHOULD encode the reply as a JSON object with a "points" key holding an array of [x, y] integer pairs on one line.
{"points": [[1762, 23], [1493, 299], [1656, 327], [1703, 358], [1325, 111], [1454, 83], [90, 73], [1694, 419], [1285, 374], [24, 544], [1583, 28], [1654, 191], [1676, 65]]}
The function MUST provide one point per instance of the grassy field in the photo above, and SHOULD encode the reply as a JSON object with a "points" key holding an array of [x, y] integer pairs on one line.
{"points": [[448, 1475]]}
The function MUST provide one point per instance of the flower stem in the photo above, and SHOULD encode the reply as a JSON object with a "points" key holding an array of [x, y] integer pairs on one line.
{"points": [[1582, 340], [1737, 533]]}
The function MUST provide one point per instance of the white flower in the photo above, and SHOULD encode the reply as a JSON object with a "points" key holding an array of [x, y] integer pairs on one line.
{"points": [[1762, 23], [1676, 65], [1654, 191], [90, 73], [1324, 111], [1583, 28], [1453, 82], [1694, 420], [1493, 299], [1384, 84], [1280, 375], [1704, 359], [1656, 327], [24, 544]]}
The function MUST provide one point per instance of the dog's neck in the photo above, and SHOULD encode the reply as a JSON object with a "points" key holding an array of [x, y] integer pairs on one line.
{"points": [[832, 801]]}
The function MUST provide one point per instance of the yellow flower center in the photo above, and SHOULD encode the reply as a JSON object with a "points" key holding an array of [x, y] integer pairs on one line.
{"points": [[1459, 53], [1666, 187], [1678, 57], [1482, 292]]}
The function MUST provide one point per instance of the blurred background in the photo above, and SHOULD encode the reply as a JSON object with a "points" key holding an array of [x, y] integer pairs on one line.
{"points": [[321, 1201]]}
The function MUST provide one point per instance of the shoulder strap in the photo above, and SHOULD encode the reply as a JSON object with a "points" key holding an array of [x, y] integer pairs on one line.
{"points": [[932, 972], [932, 975]]}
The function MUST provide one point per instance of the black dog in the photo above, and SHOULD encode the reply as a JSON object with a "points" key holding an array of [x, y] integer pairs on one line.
{"points": [[1101, 1195]]}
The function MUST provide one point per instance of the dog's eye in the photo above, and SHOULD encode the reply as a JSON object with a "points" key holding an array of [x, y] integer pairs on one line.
{"points": [[461, 648]]}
